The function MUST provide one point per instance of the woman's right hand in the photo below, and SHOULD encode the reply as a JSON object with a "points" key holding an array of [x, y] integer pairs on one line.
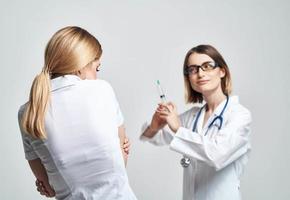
{"points": [[158, 121]]}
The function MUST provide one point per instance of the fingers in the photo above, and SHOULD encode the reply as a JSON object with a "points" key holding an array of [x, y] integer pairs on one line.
{"points": [[126, 145], [169, 106], [163, 114], [40, 188], [37, 182], [160, 116], [162, 109], [50, 191], [161, 106], [45, 191]]}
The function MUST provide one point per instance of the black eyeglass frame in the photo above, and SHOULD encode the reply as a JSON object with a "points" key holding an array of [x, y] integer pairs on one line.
{"points": [[189, 69]]}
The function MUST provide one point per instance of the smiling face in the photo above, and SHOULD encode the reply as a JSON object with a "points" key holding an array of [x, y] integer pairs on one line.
{"points": [[204, 81]]}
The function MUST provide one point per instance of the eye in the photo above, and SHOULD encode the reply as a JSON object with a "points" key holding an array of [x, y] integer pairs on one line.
{"points": [[192, 69], [208, 66]]}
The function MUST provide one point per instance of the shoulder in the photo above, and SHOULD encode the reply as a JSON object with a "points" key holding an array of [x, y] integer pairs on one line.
{"points": [[97, 86], [191, 112], [21, 110], [98, 83], [236, 109]]}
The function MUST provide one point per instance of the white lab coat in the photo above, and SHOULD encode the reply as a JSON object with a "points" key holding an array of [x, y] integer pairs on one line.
{"points": [[217, 159]]}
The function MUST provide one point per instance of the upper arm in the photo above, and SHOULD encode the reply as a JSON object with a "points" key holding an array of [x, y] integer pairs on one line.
{"points": [[112, 96], [30, 154]]}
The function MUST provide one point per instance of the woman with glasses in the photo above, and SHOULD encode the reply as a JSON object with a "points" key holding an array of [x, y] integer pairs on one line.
{"points": [[72, 126], [212, 136]]}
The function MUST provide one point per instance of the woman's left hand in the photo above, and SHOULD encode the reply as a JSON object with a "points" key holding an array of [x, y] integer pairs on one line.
{"points": [[169, 112], [126, 147], [44, 189]]}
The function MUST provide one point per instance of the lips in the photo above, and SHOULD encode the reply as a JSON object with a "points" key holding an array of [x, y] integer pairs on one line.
{"points": [[202, 82]]}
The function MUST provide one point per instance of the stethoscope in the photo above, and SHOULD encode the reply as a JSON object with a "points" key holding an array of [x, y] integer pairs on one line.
{"points": [[185, 161]]}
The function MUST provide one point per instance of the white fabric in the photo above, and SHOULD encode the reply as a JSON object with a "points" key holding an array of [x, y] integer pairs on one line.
{"points": [[82, 152], [217, 159]]}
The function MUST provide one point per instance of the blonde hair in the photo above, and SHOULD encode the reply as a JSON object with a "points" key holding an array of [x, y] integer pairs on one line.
{"points": [[69, 50], [192, 96]]}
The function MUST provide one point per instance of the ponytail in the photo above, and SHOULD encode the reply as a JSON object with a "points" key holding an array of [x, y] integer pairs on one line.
{"points": [[69, 50], [34, 115]]}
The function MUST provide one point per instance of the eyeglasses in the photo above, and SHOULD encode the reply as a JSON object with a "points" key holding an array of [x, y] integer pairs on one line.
{"points": [[193, 69]]}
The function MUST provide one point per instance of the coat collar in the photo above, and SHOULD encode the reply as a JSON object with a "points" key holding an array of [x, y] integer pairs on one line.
{"points": [[219, 108], [232, 100], [64, 81]]}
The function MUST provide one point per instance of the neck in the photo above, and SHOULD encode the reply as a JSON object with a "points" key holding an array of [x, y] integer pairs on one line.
{"points": [[214, 99]]}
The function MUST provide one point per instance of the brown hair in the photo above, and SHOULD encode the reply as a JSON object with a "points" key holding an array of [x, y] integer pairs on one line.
{"points": [[192, 96], [69, 50]]}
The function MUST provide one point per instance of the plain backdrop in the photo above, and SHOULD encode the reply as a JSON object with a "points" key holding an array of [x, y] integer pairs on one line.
{"points": [[145, 41]]}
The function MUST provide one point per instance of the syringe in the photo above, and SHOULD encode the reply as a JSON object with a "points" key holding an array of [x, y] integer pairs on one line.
{"points": [[161, 93]]}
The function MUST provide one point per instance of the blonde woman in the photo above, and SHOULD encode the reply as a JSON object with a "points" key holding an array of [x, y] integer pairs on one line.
{"points": [[72, 126], [213, 137]]}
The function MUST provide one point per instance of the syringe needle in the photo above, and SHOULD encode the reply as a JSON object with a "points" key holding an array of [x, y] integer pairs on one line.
{"points": [[161, 93]]}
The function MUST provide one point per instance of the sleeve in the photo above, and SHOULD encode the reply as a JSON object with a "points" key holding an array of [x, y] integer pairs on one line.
{"points": [[26, 140], [119, 114], [218, 151], [120, 118], [162, 137]]}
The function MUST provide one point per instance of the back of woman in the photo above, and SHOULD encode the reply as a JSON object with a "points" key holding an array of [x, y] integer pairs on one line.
{"points": [[81, 148]]}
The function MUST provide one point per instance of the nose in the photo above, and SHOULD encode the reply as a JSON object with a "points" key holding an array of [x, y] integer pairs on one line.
{"points": [[200, 72]]}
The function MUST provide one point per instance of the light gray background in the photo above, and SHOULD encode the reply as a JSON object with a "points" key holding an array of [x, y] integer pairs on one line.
{"points": [[144, 41]]}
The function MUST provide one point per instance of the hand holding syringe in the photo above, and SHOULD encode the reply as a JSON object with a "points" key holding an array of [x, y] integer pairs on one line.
{"points": [[166, 113], [158, 121]]}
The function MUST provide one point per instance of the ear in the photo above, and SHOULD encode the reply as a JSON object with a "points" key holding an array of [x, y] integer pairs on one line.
{"points": [[222, 72]]}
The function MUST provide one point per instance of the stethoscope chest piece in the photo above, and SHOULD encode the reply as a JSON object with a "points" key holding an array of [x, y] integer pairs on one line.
{"points": [[185, 162]]}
